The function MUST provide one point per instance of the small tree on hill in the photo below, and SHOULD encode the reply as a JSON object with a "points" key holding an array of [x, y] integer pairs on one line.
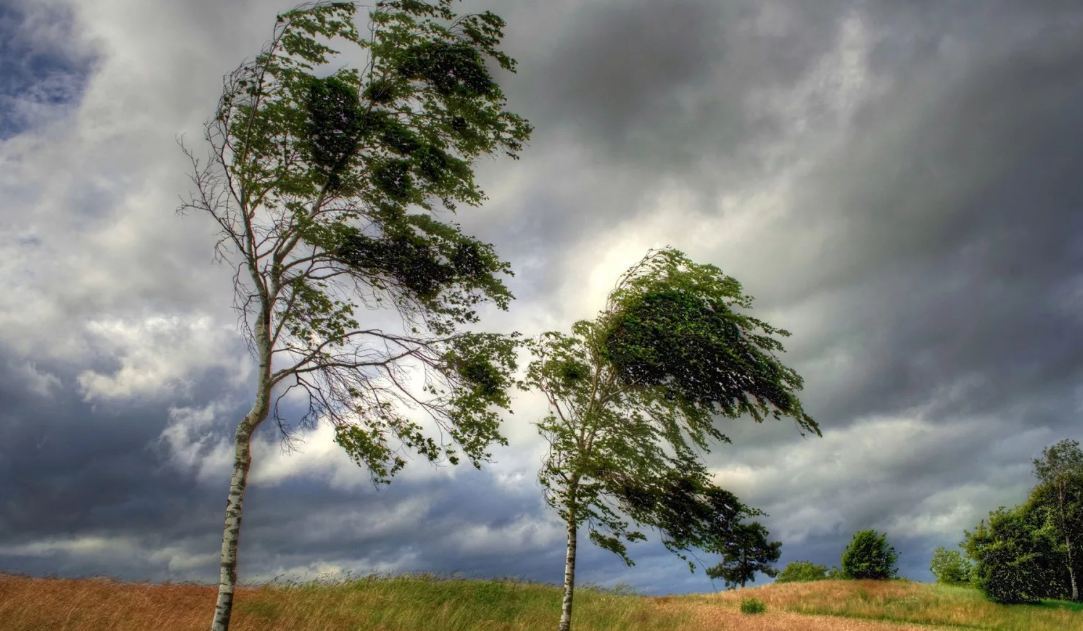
{"points": [[327, 187], [869, 555], [746, 551], [633, 396], [802, 572], [949, 566]]}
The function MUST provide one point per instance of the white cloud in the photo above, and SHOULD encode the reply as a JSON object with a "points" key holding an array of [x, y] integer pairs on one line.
{"points": [[159, 356], [88, 545]]}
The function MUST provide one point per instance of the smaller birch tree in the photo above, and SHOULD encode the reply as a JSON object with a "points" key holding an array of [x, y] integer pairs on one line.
{"points": [[633, 400]]}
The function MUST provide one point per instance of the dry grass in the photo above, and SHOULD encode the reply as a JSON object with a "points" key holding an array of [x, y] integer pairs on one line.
{"points": [[409, 603], [379, 604], [906, 602]]}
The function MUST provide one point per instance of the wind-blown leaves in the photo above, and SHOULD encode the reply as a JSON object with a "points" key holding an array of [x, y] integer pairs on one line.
{"points": [[331, 188], [635, 395]]}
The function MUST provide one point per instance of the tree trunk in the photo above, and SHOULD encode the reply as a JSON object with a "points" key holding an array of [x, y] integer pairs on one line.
{"points": [[1071, 569], [242, 460], [1067, 540], [569, 578], [569, 560], [227, 578]]}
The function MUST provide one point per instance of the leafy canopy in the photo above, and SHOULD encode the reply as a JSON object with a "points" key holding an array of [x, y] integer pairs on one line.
{"points": [[869, 555], [1029, 552], [802, 572], [633, 398], [950, 567], [1058, 498], [333, 188], [746, 551], [1012, 558]]}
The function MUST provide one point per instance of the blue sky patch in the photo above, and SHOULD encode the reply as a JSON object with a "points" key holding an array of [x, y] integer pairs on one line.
{"points": [[41, 74]]}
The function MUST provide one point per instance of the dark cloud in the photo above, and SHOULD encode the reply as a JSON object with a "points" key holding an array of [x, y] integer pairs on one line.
{"points": [[897, 183]]}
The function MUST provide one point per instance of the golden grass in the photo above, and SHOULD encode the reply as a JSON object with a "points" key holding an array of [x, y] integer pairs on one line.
{"points": [[425, 603], [379, 604], [907, 602]]}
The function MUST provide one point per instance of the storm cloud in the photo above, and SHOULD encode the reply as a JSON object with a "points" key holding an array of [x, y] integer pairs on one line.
{"points": [[897, 183]]}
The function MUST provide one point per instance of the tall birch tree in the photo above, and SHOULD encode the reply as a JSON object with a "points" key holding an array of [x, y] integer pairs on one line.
{"points": [[332, 189], [634, 397], [1060, 497]]}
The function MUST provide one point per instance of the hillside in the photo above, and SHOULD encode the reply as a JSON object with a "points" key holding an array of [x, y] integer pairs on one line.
{"points": [[408, 603]]}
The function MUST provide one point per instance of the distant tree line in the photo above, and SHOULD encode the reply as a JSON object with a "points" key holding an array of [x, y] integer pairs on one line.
{"points": [[869, 555]]}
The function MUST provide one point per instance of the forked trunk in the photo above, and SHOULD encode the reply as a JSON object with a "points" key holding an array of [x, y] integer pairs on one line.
{"points": [[569, 576]]}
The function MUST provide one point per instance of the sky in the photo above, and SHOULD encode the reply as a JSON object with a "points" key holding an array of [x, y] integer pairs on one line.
{"points": [[897, 184]]}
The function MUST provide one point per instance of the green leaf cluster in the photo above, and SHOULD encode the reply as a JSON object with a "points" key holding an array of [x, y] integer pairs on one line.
{"points": [[1031, 551], [950, 567], [1012, 558], [869, 556], [746, 551], [335, 190], [632, 404], [802, 572], [681, 331]]}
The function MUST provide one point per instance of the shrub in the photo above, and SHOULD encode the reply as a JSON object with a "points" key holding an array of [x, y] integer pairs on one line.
{"points": [[752, 606], [950, 567], [869, 555], [801, 572], [1013, 558]]}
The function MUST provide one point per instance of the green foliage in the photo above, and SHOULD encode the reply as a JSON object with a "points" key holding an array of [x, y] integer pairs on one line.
{"points": [[752, 606], [332, 187], [745, 551], [950, 567], [625, 437], [1012, 558], [869, 555], [678, 330], [801, 572], [1058, 500], [1064, 460], [1031, 551]]}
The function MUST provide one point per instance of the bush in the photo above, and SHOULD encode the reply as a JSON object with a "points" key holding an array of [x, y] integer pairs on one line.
{"points": [[801, 572], [752, 606], [869, 555], [1013, 558], [949, 567]]}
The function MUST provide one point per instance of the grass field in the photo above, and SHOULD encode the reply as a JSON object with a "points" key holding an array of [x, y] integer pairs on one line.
{"points": [[422, 603]]}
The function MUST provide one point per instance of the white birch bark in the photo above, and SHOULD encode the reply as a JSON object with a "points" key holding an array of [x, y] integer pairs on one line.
{"points": [[242, 460], [569, 557], [1067, 539], [227, 578], [569, 578]]}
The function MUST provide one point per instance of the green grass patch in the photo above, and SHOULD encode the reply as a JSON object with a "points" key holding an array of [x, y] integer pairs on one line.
{"points": [[408, 603]]}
